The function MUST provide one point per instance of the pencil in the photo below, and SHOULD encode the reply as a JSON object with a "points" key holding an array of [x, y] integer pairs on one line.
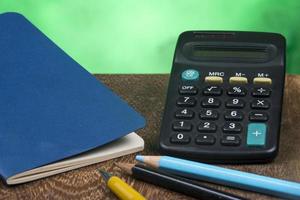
{"points": [[121, 189], [234, 178], [175, 183]]}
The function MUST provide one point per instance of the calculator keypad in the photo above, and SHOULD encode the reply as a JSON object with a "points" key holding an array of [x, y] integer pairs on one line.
{"points": [[207, 127], [237, 91], [205, 139], [231, 140], [212, 91], [182, 126], [186, 101], [209, 114], [222, 115], [188, 89], [235, 115], [184, 113], [235, 103], [261, 92], [210, 102], [180, 138], [232, 127], [260, 104], [258, 116]]}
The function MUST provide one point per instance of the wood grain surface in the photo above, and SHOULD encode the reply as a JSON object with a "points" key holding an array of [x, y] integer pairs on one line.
{"points": [[146, 93]]}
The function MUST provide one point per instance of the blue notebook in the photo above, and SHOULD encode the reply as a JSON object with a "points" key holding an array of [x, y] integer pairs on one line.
{"points": [[50, 107]]}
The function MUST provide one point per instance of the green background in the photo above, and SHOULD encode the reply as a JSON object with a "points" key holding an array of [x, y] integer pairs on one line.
{"points": [[135, 36]]}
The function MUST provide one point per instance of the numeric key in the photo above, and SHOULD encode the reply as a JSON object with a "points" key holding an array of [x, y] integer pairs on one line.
{"points": [[208, 114], [235, 103], [233, 115], [182, 126], [180, 138], [232, 127], [210, 102], [186, 101], [207, 127], [184, 113]]}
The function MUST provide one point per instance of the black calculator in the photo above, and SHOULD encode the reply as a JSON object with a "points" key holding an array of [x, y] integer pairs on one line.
{"points": [[224, 97]]}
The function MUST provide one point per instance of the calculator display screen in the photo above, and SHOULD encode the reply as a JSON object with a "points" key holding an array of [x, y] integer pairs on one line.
{"points": [[229, 53]]}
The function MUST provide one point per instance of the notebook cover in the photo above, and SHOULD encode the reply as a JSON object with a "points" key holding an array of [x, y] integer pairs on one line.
{"points": [[50, 107]]}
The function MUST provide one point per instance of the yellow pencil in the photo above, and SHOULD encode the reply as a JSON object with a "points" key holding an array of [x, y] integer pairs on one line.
{"points": [[121, 189]]}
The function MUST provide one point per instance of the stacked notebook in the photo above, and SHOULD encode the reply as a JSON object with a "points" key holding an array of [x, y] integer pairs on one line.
{"points": [[55, 116]]}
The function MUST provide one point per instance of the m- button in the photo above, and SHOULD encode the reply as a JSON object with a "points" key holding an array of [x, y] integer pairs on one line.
{"points": [[236, 80]]}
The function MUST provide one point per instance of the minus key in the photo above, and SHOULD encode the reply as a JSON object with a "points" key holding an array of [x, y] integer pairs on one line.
{"points": [[258, 116]]}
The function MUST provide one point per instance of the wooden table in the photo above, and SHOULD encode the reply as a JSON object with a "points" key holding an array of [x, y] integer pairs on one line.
{"points": [[146, 93]]}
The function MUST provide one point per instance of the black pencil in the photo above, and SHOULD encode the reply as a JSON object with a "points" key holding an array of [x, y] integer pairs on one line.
{"points": [[175, 183]]}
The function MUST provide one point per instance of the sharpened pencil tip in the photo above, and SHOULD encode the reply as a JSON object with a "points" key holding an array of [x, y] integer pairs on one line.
{"points": [[126, 167], [139, 158], [104, 174]]}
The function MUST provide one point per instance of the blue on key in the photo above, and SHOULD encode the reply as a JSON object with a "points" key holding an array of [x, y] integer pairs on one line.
{"points": [[256, 134], [190, 75]]}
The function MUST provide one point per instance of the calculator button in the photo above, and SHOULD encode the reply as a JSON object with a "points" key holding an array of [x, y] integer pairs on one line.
{"points": [[232, 127], [184, 113], [210, 102], [190, 75], [233, 115], [236, 91], [258, 116], [238, 80], [231, 140], [208, 114], [256, 134], [260, 104], [213, 79], [235, 103], [262, 80], [207, 127], [261, 92], [180, 138], [205, 139], [182, 126], [188, 89], [186, 101], [212, 91]]}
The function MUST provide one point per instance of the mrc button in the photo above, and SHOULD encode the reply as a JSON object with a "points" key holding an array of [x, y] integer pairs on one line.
{"points": [[190, 75], [213, 79]]}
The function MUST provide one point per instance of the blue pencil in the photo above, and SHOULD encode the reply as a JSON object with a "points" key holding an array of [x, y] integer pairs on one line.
{"points": [[243, 180]]}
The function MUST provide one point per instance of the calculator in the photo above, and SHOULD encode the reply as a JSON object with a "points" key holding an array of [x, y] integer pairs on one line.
{"points": [[224, 97]]}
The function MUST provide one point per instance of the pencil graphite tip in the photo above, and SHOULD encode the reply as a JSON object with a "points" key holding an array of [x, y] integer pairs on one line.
{"points": [[126, 167], [152, 161], [104, 174]]}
